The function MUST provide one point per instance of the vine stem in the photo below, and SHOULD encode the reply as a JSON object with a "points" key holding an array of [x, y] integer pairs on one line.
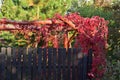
{"points": [[71, 38]]}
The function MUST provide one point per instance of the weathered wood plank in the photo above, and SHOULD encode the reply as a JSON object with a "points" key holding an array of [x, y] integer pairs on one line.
{"points": [[84, 67], [34, 63], [74, 58], [8, 64], [78, 56], [80, 64], [50, 52], [24, 63], [54, 64], [19, 61], [69, 64], [14, 64], [29, 64], [2, 63], [44, 63], [59, 70], [63, 63], [39, 73]]}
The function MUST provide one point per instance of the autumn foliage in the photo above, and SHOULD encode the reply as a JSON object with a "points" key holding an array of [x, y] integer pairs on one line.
{"points": [[87, 33]]}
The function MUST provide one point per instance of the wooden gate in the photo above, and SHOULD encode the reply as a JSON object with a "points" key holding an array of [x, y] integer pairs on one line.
{"points": [[44, 64]]}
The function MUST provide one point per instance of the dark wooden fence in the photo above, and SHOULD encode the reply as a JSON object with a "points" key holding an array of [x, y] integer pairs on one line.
{"points": [[44, 64]]}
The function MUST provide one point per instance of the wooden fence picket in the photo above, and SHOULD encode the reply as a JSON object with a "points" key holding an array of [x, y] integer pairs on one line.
{"points": [[8, 64], [55, 63], [2, 63], [59, 63], [39, 64], [74, 71], [24, 61], [63, 63], [14, 64], [84, 68], [44, 63], [69, 64], [34, 63], [50, 71], [80, 64], [29, 64]]}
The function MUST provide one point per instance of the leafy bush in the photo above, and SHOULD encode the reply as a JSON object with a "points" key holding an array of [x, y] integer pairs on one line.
{"points": [[8, 39], [116, 8], [113, 56], [114, 43], [89, 11], [33, 9], [113, 70]]}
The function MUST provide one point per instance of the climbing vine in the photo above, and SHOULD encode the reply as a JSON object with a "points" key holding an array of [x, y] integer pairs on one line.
{"points": [[87, 33]]}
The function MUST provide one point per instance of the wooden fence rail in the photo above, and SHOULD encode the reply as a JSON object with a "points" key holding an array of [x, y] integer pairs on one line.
{"points": [[44, 64]]}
